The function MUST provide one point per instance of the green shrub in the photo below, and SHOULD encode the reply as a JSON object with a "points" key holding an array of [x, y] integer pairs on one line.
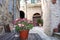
{"points": [[39, 21]]}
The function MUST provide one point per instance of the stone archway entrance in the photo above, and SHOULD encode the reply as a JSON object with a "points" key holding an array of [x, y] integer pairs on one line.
{"points": [[7, 28], [36, 16], [22, 14]]}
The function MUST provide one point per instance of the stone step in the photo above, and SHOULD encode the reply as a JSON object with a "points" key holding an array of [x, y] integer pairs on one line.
{"points": [[34, 36], [4, 36], [1, 36], [38, 37], [11, 36]]}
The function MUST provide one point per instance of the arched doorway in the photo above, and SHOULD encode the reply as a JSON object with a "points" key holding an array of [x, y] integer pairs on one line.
{"points": [[7, 28], [22, 14], [36, 16]]}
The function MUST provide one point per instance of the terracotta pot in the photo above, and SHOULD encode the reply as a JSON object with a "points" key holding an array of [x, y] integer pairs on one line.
{"points": [[55, 30], [24, 34]]}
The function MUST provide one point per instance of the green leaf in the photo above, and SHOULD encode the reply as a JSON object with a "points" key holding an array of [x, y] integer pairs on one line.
{"points": [[17, 28]]}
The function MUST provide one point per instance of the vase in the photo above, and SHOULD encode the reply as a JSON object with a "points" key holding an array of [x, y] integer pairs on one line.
{"points": [[24, 34]]}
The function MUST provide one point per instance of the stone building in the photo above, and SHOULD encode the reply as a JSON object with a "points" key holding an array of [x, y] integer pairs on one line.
{"points": [[48, 10], [51, 12], [1, 20], [31, 9], [5, 17]]}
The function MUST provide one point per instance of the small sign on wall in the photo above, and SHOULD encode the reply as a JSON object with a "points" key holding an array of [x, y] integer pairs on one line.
{"points": [[53, 1]]}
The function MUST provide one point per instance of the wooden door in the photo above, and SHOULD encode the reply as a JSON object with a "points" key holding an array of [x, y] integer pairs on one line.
{"points": [[59, 27], [7, 28]]}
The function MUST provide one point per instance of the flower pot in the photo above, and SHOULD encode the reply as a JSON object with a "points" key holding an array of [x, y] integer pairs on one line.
{"points": [[55, 30], [24, 34]]}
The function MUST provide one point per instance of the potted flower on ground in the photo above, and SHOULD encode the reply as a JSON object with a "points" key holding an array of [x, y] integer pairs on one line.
{"points": [[23, 26]]}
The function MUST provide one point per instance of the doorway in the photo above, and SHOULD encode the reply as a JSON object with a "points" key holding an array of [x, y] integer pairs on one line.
{"points": [[22, 14], [36, 16], [7, 28]]}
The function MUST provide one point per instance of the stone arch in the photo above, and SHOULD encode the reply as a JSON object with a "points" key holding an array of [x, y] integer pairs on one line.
{"points": [[22, 14], [35, 17]]}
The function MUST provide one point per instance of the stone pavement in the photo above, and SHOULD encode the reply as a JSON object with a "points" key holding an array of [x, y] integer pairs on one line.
{"points": [[36, 33], [34, 37], [11, 36], [40, 32]]}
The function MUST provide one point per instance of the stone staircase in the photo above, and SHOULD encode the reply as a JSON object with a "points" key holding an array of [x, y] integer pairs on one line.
{"points": [[7, 36]]}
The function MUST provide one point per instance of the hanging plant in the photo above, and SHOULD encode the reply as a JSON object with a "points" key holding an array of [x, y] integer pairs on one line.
{"points": [[53, 1]]}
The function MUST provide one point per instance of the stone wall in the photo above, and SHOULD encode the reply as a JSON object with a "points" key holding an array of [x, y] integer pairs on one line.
{"points": [[51, 15], [29, 12], [55, 14], [46, 17], [1, 21]]}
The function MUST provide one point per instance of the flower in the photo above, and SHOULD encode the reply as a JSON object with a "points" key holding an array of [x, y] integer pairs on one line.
{"points": [[23, 24]]}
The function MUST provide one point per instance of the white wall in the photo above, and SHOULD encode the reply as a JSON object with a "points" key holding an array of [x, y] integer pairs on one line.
{"points": [[55, 14], [32, 11], [46, 16], [51, 15]]}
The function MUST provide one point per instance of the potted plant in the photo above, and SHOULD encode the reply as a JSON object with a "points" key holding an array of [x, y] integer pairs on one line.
{"points": [[40, 22], [23, 26], [55, 30]]}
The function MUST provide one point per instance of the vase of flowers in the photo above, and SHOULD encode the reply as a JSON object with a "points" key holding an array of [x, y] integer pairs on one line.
{"points": [[23, 26]]}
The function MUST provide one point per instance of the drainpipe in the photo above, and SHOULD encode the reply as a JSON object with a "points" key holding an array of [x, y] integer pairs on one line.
{"points": [[13, 16], [26, 7]]}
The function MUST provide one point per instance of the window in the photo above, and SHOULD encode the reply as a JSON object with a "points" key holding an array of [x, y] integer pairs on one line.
{"points": [[59, 2], [38, 1], [0, 4], [0, 1], [32, 1]]}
